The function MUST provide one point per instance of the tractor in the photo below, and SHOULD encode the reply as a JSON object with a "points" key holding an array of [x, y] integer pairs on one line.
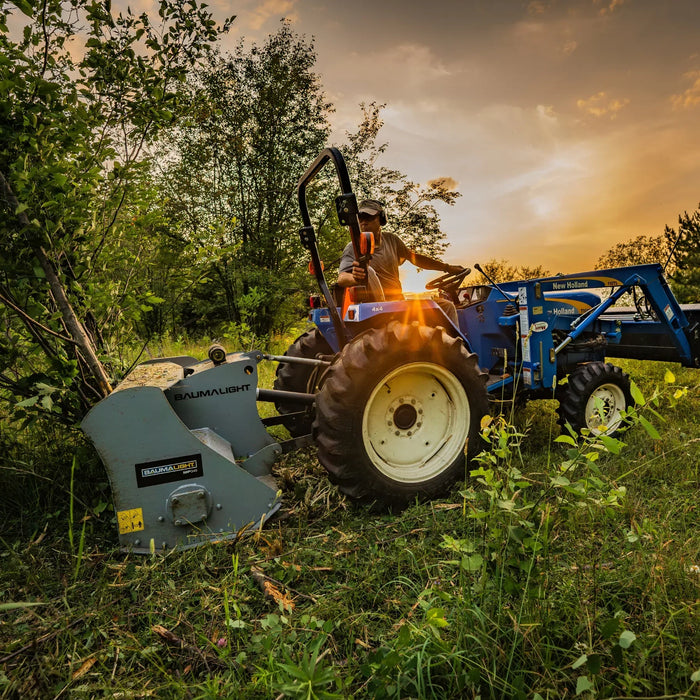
{"points": [[392, 393], [406, 389]]}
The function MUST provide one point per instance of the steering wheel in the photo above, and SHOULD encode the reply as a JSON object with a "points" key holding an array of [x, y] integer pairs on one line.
{"points": [[449, 283]]}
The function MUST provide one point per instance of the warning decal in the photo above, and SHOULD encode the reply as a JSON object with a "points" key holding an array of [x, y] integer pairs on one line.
{"points": [[130, 520]]}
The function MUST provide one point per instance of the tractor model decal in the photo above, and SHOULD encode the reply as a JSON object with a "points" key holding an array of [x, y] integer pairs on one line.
{"points": [[525, 335], [587, 281]]}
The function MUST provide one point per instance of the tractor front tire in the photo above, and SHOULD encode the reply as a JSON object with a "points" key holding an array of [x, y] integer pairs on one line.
{"points": [[300, 378], [395, 412], [595, 397]]}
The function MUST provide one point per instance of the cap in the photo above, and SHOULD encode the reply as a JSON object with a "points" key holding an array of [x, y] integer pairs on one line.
{"points": [[371, 207]]}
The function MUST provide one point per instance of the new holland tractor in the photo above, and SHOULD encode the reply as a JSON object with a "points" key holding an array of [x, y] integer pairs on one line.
{"points": [[392, 393]]}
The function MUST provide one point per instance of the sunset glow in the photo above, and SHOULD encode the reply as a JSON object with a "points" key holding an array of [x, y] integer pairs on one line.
{"points": [[567, 126]]}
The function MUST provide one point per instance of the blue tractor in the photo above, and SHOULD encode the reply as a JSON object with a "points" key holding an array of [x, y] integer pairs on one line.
{"points": [[395, 392], [392, 393]]}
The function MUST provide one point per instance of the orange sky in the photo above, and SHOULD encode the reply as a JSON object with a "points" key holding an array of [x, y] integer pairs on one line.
{"points": [[569, 125]]}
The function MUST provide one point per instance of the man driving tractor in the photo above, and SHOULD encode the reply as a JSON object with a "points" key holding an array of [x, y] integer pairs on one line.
{"points": [[389, 253]]}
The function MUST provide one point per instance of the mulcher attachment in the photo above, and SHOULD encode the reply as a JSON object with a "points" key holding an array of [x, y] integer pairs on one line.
{"points": [[187, 455]]}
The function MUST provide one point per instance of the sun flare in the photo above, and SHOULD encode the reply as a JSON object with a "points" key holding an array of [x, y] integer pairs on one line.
{"points": [[413, 281]]}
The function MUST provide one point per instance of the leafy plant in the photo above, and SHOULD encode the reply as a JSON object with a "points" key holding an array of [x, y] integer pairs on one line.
{"points": [[86, 91]]}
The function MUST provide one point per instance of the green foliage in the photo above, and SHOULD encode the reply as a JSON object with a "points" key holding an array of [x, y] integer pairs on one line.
{"points": [[86, 93], [685, 244], [637, 251], [235, 167], [560, 567], [231, 185], [503, 271]]}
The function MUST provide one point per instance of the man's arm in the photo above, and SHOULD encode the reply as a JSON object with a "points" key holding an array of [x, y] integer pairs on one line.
{"points": [[356, 277], [424, 262]]}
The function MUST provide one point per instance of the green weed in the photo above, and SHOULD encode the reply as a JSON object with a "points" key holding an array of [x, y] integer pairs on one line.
{"points": [[559, 568]]}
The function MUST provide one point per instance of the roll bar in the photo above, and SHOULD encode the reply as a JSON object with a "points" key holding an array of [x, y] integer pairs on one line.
{"points": [[346, 207]]}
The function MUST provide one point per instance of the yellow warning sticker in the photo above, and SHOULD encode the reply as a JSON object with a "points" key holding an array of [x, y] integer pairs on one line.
{"points": [[130, 520]]}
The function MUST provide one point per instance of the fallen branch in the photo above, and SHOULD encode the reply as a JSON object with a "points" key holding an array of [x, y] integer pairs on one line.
{"points": [[271, 588]]}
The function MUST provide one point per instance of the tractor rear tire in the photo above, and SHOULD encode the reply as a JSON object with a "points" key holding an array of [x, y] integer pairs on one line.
{"points": [[395, 412], [301, 378], [577, 400]]}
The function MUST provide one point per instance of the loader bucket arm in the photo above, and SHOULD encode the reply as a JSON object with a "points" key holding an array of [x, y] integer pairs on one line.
{"points": [[346, 205]]}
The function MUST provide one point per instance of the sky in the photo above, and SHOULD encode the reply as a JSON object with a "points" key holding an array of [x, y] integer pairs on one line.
{"points": [[568, 125]]}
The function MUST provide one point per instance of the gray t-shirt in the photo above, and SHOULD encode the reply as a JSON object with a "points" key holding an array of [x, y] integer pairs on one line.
{"points": [[385, 261]]}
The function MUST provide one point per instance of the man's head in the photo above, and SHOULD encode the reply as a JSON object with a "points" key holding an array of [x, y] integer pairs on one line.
{"points": [[369, 208]]}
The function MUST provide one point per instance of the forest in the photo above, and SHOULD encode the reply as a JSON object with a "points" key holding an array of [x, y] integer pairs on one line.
{"points": [[147, 208]]}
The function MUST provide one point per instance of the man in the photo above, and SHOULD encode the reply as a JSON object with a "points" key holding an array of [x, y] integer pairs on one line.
{"points": [[389, 253]]}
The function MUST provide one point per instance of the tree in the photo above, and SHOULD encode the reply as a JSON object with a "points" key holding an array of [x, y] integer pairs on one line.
{"points": [[638, 251], [233, 181], [74, 134], [503, 271], [685, 247]]}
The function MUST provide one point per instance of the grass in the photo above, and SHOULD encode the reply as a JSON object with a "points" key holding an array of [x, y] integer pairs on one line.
{"points": [[510, 587]]}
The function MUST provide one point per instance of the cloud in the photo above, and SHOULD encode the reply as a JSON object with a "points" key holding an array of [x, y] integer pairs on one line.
{"points": [[271, 8], [415, 63], [691, 96], [423, 76], [537, 7], [600, 105], [609, 6], [545, 35]]}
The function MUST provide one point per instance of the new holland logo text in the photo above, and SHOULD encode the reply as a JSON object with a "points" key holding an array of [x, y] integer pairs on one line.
{"points": [[203, 393], [165, 470]]}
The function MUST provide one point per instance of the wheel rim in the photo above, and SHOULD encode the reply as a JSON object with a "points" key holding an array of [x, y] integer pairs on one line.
{"points": [[606, 416], [416, 422]]}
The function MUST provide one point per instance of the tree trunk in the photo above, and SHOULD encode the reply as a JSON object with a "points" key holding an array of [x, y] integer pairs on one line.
{"points": [[73, 324]]}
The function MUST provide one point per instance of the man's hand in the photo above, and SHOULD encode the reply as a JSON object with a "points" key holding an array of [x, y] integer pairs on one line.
{"points": [[358, 274], [453, 269]]}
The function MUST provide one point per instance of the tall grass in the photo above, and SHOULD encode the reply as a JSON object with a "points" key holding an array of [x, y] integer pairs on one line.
{"points": [[555, 570]]}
